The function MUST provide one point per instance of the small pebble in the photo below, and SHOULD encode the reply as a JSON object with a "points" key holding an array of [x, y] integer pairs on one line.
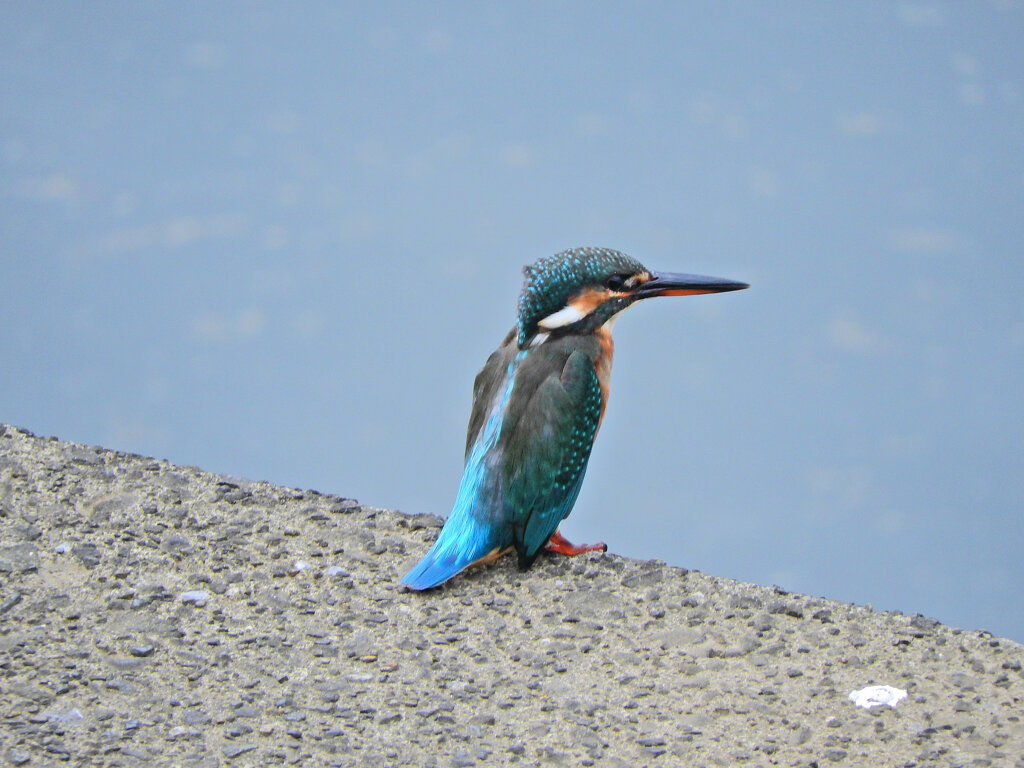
{"points": [[231, 751], [195, 597], [9, 602]]}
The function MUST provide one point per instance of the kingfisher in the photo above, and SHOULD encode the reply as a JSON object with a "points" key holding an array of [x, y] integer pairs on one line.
{"points": [[538, 403]]}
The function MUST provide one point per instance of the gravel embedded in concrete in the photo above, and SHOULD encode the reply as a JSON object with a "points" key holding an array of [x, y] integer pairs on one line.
{"points": [[161, 614]]}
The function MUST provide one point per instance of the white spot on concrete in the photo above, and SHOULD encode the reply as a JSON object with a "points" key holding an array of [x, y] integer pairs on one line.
{"points": [[876, 695]]}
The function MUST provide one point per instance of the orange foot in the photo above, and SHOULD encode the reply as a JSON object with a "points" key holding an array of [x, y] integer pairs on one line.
{"points": [[562, 546]]}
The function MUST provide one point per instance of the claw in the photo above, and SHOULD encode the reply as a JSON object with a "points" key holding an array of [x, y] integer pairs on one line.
{"points": [[562, 546]]}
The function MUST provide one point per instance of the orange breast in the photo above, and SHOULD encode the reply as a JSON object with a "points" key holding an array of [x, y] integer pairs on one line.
{"points": [[603, 367]]}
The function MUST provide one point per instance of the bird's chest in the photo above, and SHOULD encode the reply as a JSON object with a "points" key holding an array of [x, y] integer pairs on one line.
{"points": [[603, 366]]}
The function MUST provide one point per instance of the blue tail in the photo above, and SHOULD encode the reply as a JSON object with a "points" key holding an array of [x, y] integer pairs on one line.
{"points": [[462, 542], [475, 529]]}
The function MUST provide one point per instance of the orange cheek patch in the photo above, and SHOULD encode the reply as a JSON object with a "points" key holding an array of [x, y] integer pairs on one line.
{"points": [[588, 300]]}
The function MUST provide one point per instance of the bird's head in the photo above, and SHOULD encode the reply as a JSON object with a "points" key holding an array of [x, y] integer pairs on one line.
{"points": [[583, 288]]}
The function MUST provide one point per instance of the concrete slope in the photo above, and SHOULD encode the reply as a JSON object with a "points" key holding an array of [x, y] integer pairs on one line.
{"points": [[162, 615]]}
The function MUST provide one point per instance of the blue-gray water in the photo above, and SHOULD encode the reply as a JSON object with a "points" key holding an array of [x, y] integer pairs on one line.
{"points": [[278, 241]]}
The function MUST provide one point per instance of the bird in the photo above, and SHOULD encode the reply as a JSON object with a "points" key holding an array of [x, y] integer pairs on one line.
{"points": [[538, 403]]}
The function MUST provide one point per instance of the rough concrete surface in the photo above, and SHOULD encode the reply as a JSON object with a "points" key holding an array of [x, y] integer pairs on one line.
{"points": [[158, 614]]}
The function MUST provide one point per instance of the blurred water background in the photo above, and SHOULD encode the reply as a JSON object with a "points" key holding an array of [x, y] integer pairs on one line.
{"points": [[279, 240]]}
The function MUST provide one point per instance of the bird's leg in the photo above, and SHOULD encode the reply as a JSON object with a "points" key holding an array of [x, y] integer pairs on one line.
{"points": [[562, 546]]}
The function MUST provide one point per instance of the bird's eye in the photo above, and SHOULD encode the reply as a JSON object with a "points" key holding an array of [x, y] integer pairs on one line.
{"points": [[615, 282]]}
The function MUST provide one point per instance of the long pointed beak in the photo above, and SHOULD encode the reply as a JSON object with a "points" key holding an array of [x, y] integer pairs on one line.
{"points": [[671, 284]]}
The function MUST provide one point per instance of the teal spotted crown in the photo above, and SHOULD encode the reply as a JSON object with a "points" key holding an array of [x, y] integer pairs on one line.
{"points": [[552, 280]]}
